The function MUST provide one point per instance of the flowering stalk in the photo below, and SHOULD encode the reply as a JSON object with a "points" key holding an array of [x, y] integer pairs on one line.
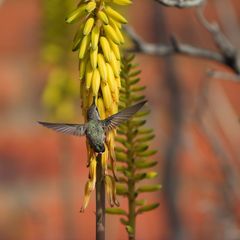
{"points": [[133, 152], [97, 41], [100, 204]]}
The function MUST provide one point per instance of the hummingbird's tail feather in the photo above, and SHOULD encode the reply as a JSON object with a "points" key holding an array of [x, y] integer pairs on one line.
{"points": [[73, 129], [115, 120]]}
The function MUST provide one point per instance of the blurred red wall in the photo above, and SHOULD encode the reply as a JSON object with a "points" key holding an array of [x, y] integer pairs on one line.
{"points": [[42, 174]]}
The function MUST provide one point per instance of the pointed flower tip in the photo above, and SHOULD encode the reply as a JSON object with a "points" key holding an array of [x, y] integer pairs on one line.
{"points": [[82, 210], [117, 203]]}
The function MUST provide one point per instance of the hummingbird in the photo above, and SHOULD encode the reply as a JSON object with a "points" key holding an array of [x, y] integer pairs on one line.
{"points": [[95, 129]]}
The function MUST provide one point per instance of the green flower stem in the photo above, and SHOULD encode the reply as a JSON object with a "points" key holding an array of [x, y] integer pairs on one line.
{"points": [[131, 182], [131, 210], [133, 152], [131, 188], [100, 201]]}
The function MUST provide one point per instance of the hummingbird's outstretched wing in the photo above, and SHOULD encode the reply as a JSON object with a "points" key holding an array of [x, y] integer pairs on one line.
{"points": [[115, 120], [73, 129]]}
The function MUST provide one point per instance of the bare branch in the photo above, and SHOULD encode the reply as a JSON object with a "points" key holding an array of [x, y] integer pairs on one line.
{"points": [[228, 51], [175, 47], [228, 17], [180, 3], [222, 42], [228, 54]]}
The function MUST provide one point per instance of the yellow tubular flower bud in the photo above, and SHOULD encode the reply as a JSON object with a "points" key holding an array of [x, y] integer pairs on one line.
{"points": [[112, 22], [95, 37], [103, 17], [108, 138], [92, 170], [84, 96], [88, 26], [109, 190], [93, 57], [115, 97], [115, 107], [102, 67], [89, 187], [110, 144], [119, 34], [105, 48], [101, 108], [83, 46], [90, 153], [95, 82], [90, 98], [82, 68], [114, 192], [112, 156], [90, 6], [107, 99], [115, 15], [115, 50], [111, 34], [76, 14], [122, 2], [77, 39], [118, 80], [115, 64], [105, 161], [110, 78], [88, 75]]}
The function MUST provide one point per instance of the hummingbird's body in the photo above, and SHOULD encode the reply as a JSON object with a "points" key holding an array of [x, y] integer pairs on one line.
{"points": [[96, 135], [95, 129]]}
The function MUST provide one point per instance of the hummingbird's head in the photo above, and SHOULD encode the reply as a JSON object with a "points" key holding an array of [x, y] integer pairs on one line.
{"points": [[93, 113]]}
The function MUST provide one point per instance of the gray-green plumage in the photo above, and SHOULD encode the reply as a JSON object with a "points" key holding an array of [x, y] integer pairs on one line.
{"points": [[96, 135], [95, 129]]}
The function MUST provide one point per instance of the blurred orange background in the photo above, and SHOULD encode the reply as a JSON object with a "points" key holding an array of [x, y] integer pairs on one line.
{"points": [[195, 119]]}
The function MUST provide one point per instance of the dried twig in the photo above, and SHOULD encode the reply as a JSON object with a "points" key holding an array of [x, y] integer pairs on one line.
{"points": [[162, 50], [222, 42], [228, 51], [227, 14], [228, 54], [180, 3]]}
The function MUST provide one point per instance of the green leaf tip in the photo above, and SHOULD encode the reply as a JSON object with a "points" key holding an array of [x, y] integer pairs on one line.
{"points": [[147, 208], [149, 188], [116, 211]]}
